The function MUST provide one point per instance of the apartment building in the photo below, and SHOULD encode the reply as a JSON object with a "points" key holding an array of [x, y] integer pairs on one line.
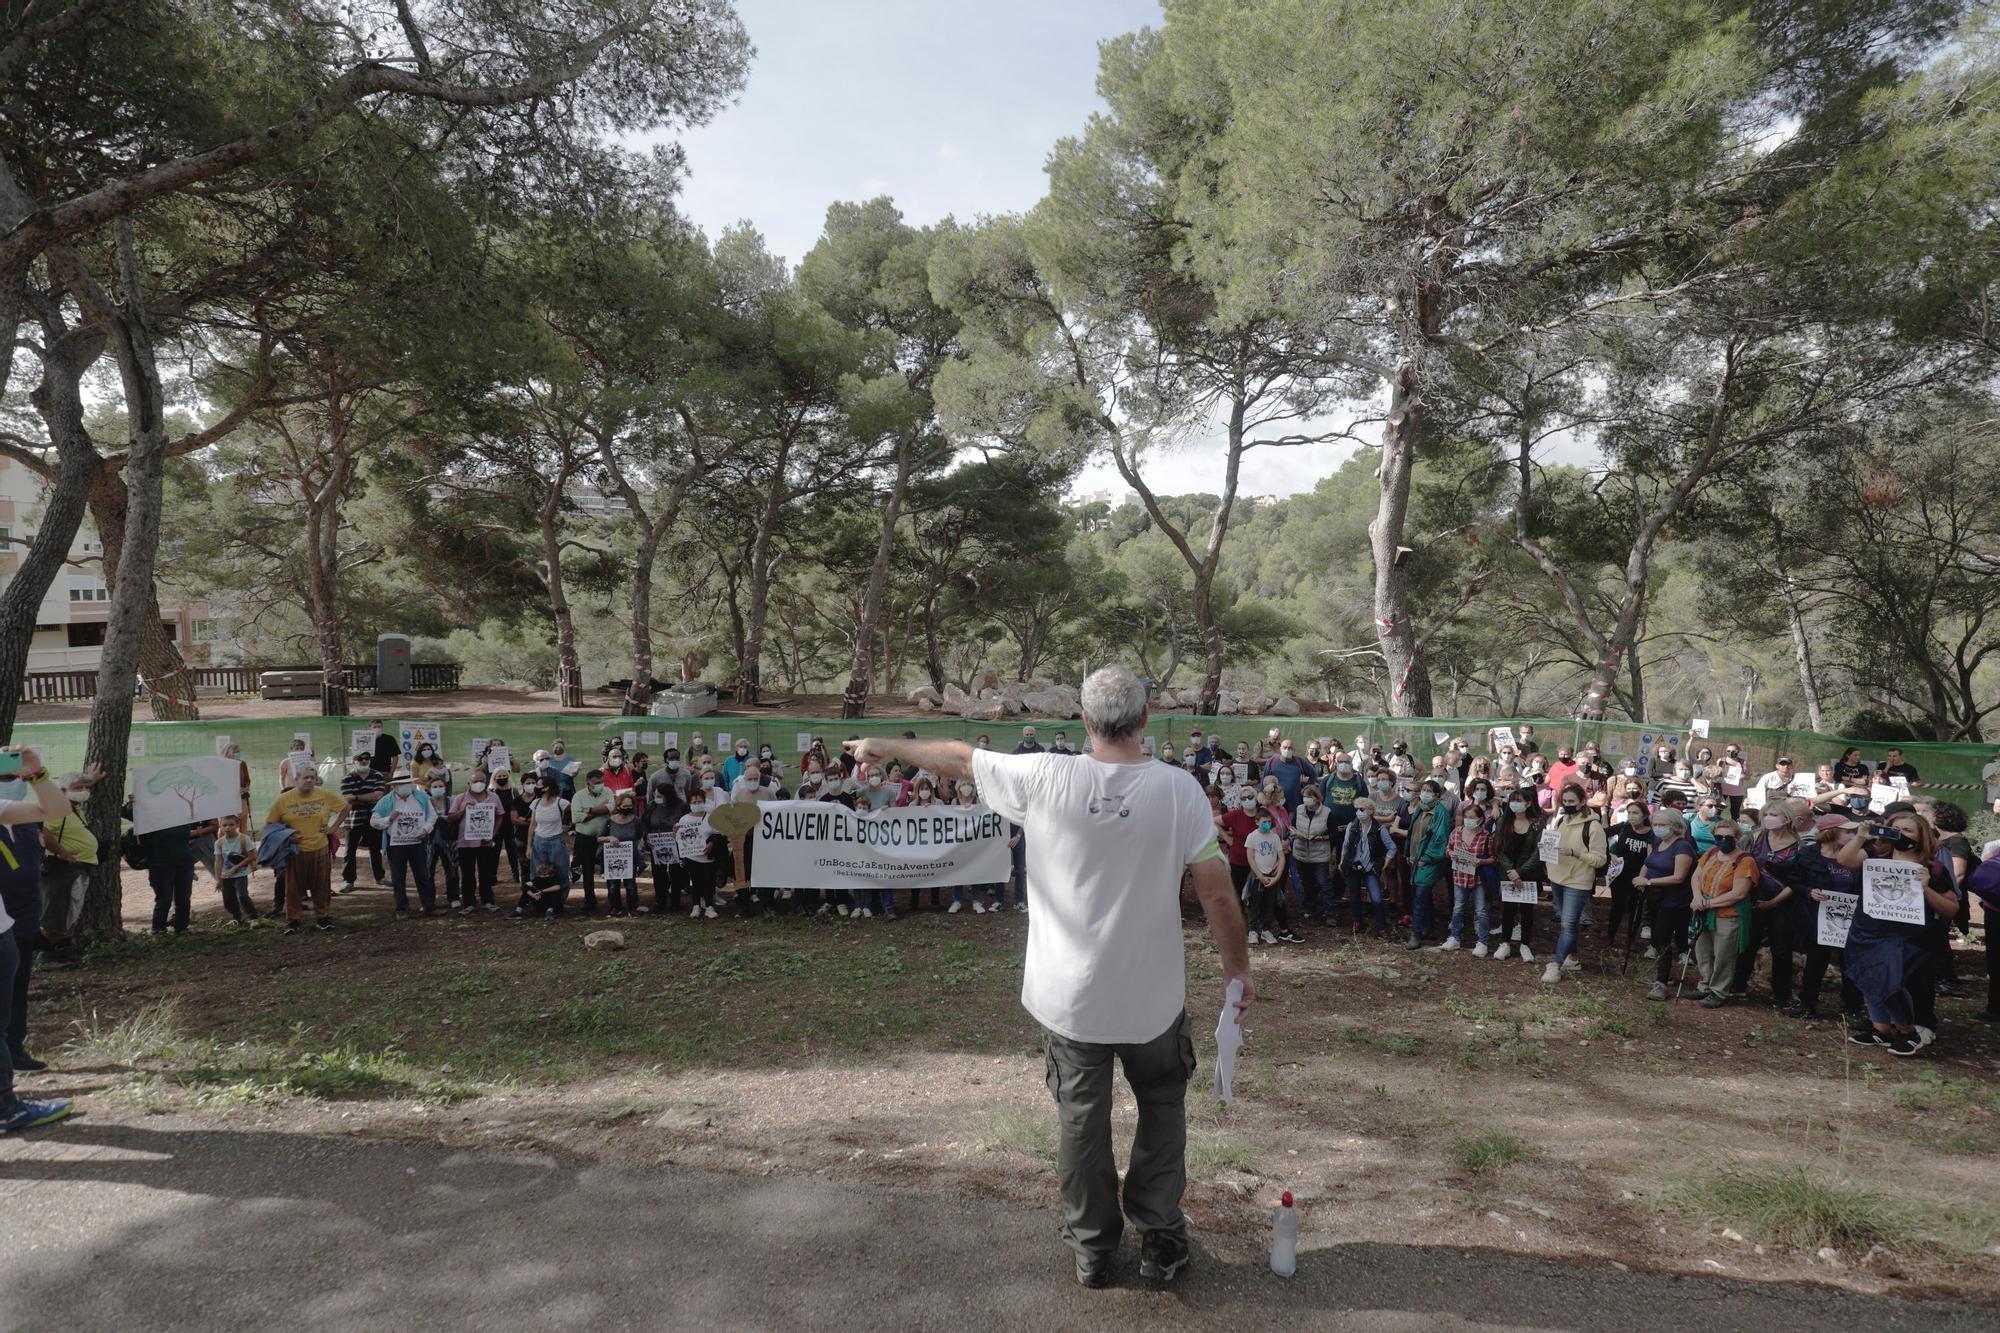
{"points": [[69, 627]]}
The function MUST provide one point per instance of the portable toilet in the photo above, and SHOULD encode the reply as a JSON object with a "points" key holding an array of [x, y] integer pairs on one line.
{"points": [[392, 664]]}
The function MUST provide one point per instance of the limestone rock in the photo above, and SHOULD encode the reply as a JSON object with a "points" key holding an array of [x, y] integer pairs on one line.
{"points": [[604, 939], [923, 695], [1283, 706]]}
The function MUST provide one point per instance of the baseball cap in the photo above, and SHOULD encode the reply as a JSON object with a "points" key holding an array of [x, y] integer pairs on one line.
{"points": [[1825, 822]]}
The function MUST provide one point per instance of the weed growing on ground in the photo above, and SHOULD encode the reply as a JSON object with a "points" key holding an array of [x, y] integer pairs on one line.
{"points": [[1805, 1208], [1484, 1152]]}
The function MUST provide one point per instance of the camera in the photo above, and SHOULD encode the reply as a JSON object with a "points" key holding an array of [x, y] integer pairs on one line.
{"points": [[1888, 833]]}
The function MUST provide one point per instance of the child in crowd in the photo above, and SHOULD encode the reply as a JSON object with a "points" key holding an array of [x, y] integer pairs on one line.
{"points": [[235, 857], [544, 892]]}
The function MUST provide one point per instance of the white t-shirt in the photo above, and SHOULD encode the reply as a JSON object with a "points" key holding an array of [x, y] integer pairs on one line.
{"points": [[1105, 961], [1262, 848], [549, 817]]}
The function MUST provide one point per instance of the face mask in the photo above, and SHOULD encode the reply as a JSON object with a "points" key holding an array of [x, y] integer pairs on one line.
{"points": [[437, 791], [701, 808], [1571, 807], [1427, 800], [923, 793], [1311, 804], [764, 753], [478, 788], [1248, 803], [1630, 771], [742, 750], [402, 788], [357, 768], [1264, 824], [13, 789], [1472, 821], [1518, 807], [424, 753], [673, 765], [1725, 844], [1773, 822], [1481, 794], [969, 793], [1345, 770], [614, 762], [1285, 753], [558, 751], [875, 781]]}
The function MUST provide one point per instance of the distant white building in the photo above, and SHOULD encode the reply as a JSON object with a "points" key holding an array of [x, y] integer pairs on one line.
{"points": [[69, 627]]}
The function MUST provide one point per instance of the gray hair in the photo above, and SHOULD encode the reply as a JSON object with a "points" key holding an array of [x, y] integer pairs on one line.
{"points": [[1670, 821], [1114, 703]]}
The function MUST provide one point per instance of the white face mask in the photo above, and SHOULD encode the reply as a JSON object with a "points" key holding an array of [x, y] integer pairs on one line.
{"points": [[437, 791], [478, 788], [1518, 807], [1248, 803]]}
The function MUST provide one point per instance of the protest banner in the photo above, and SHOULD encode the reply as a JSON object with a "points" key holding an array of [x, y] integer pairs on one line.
{"points": [[186, 791], [1836, 914], [819, 845], [665, 853], [478, 823], [1893, 890], [618, 859], [1524, 892], [1699, 727], [405, 829]]}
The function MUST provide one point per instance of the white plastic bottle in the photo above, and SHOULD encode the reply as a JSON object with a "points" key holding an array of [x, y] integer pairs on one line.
{"points": [[1285, 1238]]}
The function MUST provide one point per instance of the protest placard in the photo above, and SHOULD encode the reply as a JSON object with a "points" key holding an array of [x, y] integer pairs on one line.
{"points": [[665, 853], [691, 840], [1732, 774], [412, 734], [1836, 914], [1441, 738], [670, 740], [1879, 796], [364, 741], [722, 739], [405, 829], [1550, 847], [1463, 862], [618, 860], [185, 791], [1893, 890], [221, 744], [1699, 726], [1503, 739], [478, 823], [805, 741], [1613, 868], [1524, 892]]}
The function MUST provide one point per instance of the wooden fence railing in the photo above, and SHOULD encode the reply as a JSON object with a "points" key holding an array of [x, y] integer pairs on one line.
{"points": [[66, 686]]}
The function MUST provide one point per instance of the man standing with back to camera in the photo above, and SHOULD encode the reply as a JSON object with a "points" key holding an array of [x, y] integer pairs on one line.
{"points": [[1106, 972]]}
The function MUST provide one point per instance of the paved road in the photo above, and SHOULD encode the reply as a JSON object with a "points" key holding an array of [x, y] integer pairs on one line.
{"points": [[179, 1225]]}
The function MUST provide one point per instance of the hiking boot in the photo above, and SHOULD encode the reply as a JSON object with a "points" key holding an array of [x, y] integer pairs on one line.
{"points": [[1093, 1273], [1161, 1259]]}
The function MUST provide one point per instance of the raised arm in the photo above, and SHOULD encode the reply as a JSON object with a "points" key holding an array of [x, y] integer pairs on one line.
{"points": [[947, 759]]}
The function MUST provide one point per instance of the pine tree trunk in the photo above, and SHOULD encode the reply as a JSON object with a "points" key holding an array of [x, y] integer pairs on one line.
{"points": [[159, 667], [854, 702], [1211, 647], [1409, 678], [569, 677], [133, 604], [60, 402], [639, 694]]}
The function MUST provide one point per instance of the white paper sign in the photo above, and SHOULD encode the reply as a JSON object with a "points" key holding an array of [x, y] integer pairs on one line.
{"points": [[1805, 784], [1732, 774], [1836, 914], [1754, 798], [412, 734], [1614, 744], [1900, 783], [478, 823], [1699, 726], [1503, 739], [405, 829], [721, 741], [364, 741], [221, 744], [305, 736], [1463, 862], [617, 860], [817, 845], [805, 741], [1614, 868], [1880, 795], [670, 740], [1893, 890], [649, 738], [691, 840], [136, 746], [1524, 892], [478, 747], [498, 758], [1441, 738], [631, 740], [1550, 847], [184, 791], [1228, 1040], [665, 853]]}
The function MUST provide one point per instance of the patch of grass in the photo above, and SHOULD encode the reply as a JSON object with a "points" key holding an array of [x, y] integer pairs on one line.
{"points": [[1016, 1129], [152, 1032], [1931, 1091], [1478, 1153], [1395, 1043], [1804, 1208], [1209, 1152]]}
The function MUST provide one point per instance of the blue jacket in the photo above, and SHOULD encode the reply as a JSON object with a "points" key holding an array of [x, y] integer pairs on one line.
{"points": [[276, 846]]}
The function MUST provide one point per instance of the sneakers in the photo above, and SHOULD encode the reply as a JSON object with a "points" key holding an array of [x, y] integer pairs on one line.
{"points": [[1020, 907], [1289, 936], [1093, 1273], [1162, 1260], [1254, 938], [1450, 945], [1527, 954], [33, 1115], [1516, 936], [518, 913], [1270, 937], [1572, 965], [1713, 1000], [863, 913], [1865, 1037], [694, 911], [955, 905], [1651, 953], [844, 909], [1657, 991], [1553, 972], [1503, 953], [1904, 1045], [1925, 1036], [292, 927], [978, 908], [1480, 950], [1415, 941], [28, 1064], [825, 909], [1646, 933], [326, 922], [346, 886], [709, 911]]}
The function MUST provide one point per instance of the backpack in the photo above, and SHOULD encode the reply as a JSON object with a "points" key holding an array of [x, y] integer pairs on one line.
{"points": [[132, 850]]}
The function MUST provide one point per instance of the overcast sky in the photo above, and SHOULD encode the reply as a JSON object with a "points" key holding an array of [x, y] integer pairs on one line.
{"points": [[950, 109]]}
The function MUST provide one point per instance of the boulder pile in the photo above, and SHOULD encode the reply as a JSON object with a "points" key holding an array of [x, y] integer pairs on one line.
{"points": [[993, 700]]}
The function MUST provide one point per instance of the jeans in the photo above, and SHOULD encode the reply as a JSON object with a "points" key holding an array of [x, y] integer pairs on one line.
{"points": [[10, 965], [1315, 887], [173, 891], [27, 913], [1569, 909], [552, 851], [1365, 887], [1421, 908], [1078, 1075], [236, 897], [1469, 902], [403, 861]]}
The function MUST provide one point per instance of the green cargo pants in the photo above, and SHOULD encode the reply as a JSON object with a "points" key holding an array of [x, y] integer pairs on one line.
{"points": [[1079, 1077]]}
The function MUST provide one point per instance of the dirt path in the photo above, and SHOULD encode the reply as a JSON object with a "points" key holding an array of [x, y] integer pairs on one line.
{"points": [[188, 1225]]}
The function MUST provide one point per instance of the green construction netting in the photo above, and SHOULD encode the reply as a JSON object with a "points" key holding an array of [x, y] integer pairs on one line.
{"points": [[1945, 768]]}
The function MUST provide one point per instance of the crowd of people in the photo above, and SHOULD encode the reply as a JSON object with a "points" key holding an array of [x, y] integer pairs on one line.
{"points": [[1697, 866]]}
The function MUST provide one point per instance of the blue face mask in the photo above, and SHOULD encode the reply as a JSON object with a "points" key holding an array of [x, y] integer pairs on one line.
{"points": [[13, 789], [1725, 844]]}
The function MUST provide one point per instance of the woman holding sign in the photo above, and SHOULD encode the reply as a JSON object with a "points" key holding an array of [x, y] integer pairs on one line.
{"points": [[1517, 845], [1724, 880], [1887, 956]]}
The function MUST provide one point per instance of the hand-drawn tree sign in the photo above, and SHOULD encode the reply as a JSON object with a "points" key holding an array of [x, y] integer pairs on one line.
{"points": [[183, 781]]}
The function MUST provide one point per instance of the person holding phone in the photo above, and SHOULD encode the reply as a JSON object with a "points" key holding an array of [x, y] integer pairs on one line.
{"points": [[1890, 961], [28, 799]]}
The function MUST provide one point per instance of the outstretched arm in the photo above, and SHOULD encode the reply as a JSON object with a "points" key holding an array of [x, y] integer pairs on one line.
{"points": [[947, 759]]}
